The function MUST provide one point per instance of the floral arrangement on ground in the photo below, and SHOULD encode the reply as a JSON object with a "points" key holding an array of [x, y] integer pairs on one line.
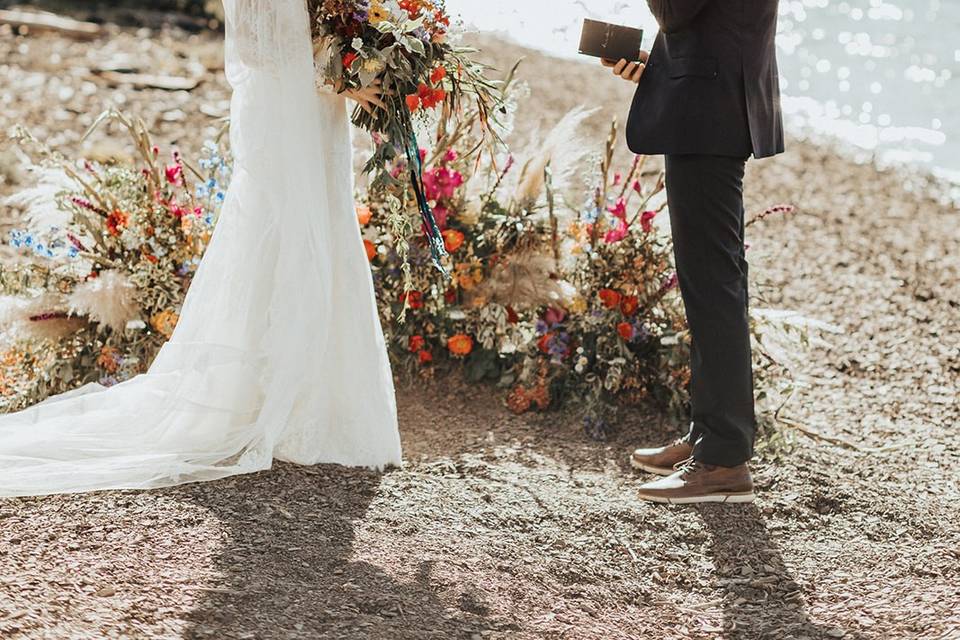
{"points": [[559, 288]]}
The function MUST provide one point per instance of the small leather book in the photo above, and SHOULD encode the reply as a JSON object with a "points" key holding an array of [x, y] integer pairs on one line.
{"points": [[610, 41]]}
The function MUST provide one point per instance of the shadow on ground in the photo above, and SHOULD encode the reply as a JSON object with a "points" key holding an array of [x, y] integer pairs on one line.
{"points": [[287, 566], [761, 597]]}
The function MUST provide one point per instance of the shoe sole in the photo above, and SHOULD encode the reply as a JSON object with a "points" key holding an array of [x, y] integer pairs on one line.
{"points": [[659, 471], [729, 498]]}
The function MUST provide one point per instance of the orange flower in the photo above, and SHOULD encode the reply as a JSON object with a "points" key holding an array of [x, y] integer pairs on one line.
{"points": [[438, 74], [425, 357], [629, 306], [116, 222], [460, 345], [625, 329], [416, 343], [364, 214], [371, 250], [165, 322], [108, 360], [611, 299], [452, 240]]}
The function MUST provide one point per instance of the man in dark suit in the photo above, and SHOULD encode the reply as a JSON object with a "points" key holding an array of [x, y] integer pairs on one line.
{"points": [[708, 98]]}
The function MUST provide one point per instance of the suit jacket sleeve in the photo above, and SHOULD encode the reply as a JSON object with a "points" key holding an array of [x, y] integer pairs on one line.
{"points": [[674, 15]]}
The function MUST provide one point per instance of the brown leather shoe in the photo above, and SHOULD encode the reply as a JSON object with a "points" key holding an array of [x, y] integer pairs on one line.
{"points": [[696, 482], [663, 460]]}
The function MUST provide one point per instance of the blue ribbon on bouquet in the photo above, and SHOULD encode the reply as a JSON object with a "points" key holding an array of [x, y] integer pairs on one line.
{"points": [[431, 229]]}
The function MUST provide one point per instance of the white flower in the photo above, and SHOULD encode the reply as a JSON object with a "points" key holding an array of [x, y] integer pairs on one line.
{"points": [[108, 300], [357, 44], [581, 364]]}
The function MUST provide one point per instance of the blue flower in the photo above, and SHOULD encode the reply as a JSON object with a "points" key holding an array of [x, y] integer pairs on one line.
{"points": [[590, 215], [220, 196], [73, 252]]}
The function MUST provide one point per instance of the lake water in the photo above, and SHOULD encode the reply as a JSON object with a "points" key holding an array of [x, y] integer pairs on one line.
{"points": [[883, 75]]}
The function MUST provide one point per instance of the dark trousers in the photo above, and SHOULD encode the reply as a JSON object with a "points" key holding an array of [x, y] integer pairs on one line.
{"points": [[705, 195]]}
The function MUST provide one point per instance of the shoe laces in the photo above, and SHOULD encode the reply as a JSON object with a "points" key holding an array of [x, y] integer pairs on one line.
{"points": [[690, 466]]}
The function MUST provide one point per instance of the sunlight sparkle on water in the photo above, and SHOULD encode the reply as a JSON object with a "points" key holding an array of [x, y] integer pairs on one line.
{"points": [[900, 56]]}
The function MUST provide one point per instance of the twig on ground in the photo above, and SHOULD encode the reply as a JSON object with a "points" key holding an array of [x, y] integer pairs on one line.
{"points": [[36, 21], [836, 440]]}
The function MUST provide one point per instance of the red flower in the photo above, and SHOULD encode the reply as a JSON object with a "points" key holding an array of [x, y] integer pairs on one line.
{"points": [[116, 222], [416, 343], [611, 299], [452, 240], [349, 59], [512, 316], [414, 299], [544, 342], [646, 220], [174, 173], [438, 74], [425, 357], [450, 295], [626, 331], [630, 305], [371, 250], [429, 97], [413, 102]]}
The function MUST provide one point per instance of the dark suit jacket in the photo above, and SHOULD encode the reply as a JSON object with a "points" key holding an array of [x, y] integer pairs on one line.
{"points": [[711, 85]]}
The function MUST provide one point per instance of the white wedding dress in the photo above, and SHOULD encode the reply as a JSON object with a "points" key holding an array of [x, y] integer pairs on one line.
{"points": [[279, 351]]}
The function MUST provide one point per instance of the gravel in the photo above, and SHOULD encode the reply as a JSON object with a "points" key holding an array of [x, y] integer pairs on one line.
{"points": [[503, 526]]}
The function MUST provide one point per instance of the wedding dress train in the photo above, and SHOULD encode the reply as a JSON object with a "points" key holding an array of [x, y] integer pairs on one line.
{"points": [[279, 351]]}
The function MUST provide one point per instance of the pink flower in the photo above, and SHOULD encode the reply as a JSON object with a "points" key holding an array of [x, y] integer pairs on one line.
{"points": [[619, 210], [646, 220], [174, 173], [670, 283], [617, 178], [441, 214], [617, 234], [450, 156], [637, 186], [554, 316], [423, 155], [441, 183]]}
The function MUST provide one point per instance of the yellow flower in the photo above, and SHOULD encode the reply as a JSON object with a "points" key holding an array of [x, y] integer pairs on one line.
{"points": [[578, 305], [373, 66], [377, 13]]}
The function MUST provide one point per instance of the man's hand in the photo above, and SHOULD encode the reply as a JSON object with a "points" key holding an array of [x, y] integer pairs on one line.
{"points": [[631, 71]]}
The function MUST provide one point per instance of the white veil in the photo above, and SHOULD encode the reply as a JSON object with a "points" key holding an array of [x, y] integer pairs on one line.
{"points": [[244, 377]]}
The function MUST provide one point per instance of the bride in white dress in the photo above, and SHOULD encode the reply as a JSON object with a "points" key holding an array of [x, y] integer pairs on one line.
{"points": [[279, 352]]}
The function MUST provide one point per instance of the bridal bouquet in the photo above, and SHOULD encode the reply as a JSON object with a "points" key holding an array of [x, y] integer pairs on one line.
{"points": [[405, 46]]}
